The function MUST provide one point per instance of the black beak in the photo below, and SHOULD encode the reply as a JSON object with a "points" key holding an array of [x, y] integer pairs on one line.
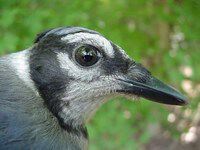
{"points": [[140, 82]]}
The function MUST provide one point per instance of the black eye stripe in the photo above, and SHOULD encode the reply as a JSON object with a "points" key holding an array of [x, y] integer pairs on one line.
{"points": [[87, 55]]}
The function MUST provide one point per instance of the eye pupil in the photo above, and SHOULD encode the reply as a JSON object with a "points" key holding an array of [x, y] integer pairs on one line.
{"points": [[87, 55], [88, 58]]}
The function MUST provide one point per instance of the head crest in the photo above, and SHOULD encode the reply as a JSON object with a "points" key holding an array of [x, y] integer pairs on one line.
{"points": [[41, 35]]}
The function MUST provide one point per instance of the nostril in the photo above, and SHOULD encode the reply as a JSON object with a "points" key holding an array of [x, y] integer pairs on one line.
{"points": [[128, 65], [139, 73]]}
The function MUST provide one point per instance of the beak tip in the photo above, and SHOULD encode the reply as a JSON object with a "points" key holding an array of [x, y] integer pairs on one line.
{"points": [[185, 102], [182, 101]]}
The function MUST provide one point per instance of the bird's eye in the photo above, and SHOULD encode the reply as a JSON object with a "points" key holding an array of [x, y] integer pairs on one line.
{"points": [[87, 55]]}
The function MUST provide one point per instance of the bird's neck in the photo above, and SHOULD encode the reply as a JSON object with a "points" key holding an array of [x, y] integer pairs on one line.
{"points": [[67, 116], [51, 114], [78, 112], [38, 120]]}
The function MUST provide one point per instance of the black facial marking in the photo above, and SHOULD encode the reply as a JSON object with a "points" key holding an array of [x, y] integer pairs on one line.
{"points": [[118, 64], [50, 79], [139, 73], [46, 72]]}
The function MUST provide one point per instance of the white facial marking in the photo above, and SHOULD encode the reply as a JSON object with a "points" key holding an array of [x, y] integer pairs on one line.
{"points": [[19, 62], [86, 98], [87, 92], [92, 39]]}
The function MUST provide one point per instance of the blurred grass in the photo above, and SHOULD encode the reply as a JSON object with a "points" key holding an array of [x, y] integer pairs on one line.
{"points": [[162, 34]]}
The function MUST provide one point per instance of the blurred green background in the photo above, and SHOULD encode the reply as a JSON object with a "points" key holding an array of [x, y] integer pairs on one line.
{"points": [[164, 35]]}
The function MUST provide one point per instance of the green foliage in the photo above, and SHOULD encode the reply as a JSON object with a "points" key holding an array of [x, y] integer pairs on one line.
{"points": [[145, 29]]}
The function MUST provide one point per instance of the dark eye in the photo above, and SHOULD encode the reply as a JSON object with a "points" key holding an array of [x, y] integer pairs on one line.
{"points": [[87, 55]]}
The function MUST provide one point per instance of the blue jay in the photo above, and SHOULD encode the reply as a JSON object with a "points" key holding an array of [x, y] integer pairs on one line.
{"points": [[48, 91]]}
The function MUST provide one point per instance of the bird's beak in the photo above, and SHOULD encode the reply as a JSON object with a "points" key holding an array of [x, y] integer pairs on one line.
{"points": [[140, 82]]}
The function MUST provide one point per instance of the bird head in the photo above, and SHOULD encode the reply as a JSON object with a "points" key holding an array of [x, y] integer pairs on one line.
{"points": [[76, 70]]}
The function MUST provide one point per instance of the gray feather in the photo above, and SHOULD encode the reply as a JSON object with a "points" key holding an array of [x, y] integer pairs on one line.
{"points": [[25, 122]]}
